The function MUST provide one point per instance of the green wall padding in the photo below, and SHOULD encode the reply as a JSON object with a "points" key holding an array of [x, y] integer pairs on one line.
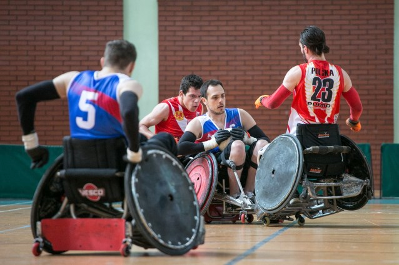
{"points": [[389, 170], [17, 180], [366, 149]]}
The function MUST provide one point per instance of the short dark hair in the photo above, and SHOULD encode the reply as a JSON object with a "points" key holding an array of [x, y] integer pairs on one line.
{"points": [[314, 39], [206, 84], [190, 81], [119, 53]]}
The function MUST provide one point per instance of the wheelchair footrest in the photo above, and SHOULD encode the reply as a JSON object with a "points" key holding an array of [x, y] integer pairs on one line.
{"points": [[106, 234]]}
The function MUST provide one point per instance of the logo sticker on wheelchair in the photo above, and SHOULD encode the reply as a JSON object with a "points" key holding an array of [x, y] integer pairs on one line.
{"points": [[91, 192]]}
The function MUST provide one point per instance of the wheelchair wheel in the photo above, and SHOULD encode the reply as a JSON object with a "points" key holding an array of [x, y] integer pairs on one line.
{"points": [[202, 171], [47, 201], [163, 203], [357, 166], [278, 174]]}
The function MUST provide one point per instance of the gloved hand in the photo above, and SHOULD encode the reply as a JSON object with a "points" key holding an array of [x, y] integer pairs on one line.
{"points": [[134, 157], [39, 156], [237, 133], [221, 136], [354, 125], [258, 102]]}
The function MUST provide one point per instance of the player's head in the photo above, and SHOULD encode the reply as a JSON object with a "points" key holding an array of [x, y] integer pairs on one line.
{"points": [[119, 54], [314, 39], [189, 93], [213, 96], [188, 81], [207, 84]]}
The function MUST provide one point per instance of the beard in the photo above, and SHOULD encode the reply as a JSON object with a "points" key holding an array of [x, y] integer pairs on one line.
{"points": [[304, 57], [216, 112]]}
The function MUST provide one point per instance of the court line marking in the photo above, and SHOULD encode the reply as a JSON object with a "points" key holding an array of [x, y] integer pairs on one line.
{"points": [[12, 229], [258, 245], [16, 209], [8, 203]]}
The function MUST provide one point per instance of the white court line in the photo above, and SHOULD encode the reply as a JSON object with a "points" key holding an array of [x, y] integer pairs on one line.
{"points": [[17, 209], [12, 229]]}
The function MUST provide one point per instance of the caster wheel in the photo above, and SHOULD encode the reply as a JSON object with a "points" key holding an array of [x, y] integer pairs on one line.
{"points": [[301, 221], [36, 250], [125, 250], [195, 247], [208, 221], [250, 218], [266, 221], [242, 217]]}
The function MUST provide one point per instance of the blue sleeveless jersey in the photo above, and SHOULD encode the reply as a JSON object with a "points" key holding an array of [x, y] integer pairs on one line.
{"points": [[233, 119], [93, 107]]}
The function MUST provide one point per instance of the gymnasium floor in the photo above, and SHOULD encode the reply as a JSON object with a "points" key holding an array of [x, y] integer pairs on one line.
{"points": [[367, 236]]}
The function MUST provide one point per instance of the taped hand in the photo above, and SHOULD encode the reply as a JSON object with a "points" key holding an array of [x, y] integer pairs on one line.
{"points": [[134, 157], [354, 125]]}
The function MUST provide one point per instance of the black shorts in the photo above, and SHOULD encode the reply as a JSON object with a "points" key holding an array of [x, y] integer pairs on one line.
{"points": [[249, 149]]}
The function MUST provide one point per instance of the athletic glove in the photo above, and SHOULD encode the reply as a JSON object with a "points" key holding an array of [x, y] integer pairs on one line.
{"points": [[354, 125], [237, 133], [221, 136], [258, 102], [39, 156]]}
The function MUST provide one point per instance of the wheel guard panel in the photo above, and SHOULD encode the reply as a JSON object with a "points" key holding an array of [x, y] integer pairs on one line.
{"points": [[278, 173]]}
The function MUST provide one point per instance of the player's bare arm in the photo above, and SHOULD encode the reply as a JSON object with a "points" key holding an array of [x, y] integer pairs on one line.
{"points": [[247, 121], [347, 81], [158, 114], [61, 82], [292, 78]]}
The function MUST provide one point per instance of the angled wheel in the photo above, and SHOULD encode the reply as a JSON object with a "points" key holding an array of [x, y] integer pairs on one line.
{"points": [[163, 203], [357, 166], [202, 171], [47, 200], [278, 173]]}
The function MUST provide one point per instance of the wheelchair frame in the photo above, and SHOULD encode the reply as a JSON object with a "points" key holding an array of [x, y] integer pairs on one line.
{"points": [[323, 196]]}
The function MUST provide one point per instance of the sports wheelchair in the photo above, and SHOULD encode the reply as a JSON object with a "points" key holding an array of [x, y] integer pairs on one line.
{"points": [[90, 199], [211, 186], [316, 173]]}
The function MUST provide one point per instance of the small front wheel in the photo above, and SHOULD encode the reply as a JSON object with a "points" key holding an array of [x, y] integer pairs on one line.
{"points": [[36, 249], [242, 217], [125, 250], [301, 221], [266, 221], [250, 218]]}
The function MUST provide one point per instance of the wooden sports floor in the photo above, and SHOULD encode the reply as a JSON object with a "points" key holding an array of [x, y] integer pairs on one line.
{"points": [[367, 236]]}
